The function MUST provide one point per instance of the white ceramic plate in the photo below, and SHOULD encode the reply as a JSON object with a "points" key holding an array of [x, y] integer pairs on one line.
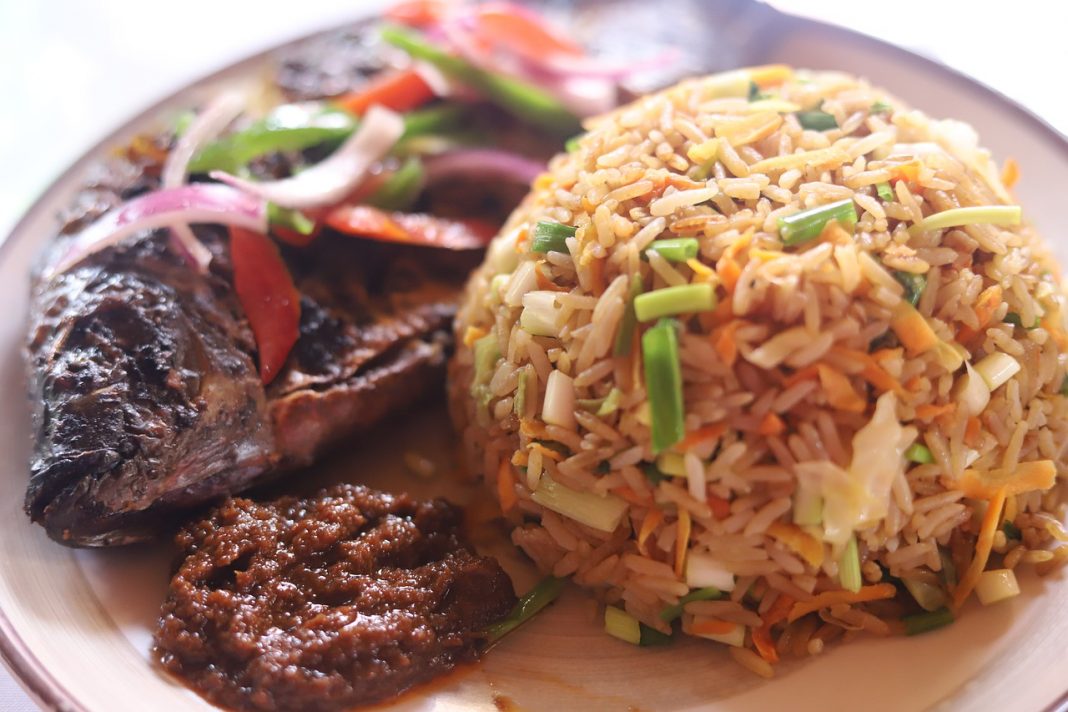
{"points": [[76, 626]]}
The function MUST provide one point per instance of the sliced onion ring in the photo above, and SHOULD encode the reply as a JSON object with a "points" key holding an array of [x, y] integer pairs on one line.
{"points": [[209, 123], [330, 181], [482, 163], [185, 205]]}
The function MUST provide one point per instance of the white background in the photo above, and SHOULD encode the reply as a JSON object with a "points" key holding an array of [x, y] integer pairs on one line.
{"points": [[70, 69]]}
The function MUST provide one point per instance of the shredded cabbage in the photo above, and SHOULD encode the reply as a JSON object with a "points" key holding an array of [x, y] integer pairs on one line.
{"points": [[858, 497]]}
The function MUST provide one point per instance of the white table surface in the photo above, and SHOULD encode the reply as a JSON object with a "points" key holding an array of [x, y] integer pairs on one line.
{"points": [[73, 69]]}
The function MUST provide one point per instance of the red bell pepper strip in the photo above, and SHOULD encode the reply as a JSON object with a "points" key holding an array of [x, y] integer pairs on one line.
{"points": [[270, 300], [401, 91], [521, 31], [412, 228], [417, 13]]}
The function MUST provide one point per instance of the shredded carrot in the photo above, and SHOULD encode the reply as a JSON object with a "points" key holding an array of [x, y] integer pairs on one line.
{"points": [[546, 452], [702, 271], [799, 541], [1025, 477], [702, 434], [912, 328], [723, 311], [908, 172], [729, 272], [520, 458], [596, 277], [840, 392], [630, 495], [767, 75], [764, 645], [985, 306], [473, 334], [401, 91], [682, 542], [973, 431], [506, 486], [887, 354], [652, 520], [1010, 173], [771, 425], [829, 598], [543, 181], [721, 508], [712, 626], [930, 411], [807, 373], [544, 282], [983, 545], [725, 342], [872, 372], [778, 610]]}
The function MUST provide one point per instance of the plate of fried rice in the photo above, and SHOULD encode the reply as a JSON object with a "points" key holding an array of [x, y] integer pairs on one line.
{"points": [[763, 387]]}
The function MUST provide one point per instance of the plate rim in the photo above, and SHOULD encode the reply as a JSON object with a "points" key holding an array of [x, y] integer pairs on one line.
{"points": [[39, 683]]}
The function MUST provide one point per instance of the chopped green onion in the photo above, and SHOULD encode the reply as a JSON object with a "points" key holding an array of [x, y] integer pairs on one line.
{"points": [[808, 224], [949, 569], [663, 383], [559, 405], [1064, 386], [984, 214], [755, 94], [817, 120], [551, 237], [486, 355], [572, 144], [625, 335], [675, 249], [620, 624], [611, 403], [1011, 530], [1014, 319], [539, 313], [880, 107], [849, 566], [808, 507], [519, 405], [544, 593], [526, 102], [929, 596], [914, 285], [683, 299], [708, 593], [288, 218], [671, 463], [653, 473], [926, 622], [996, 585], [651, 637], [996, 369], [885, 191], [919, 453], [402, 188], [600, 512]]}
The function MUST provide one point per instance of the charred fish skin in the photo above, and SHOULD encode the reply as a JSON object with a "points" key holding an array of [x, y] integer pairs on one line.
{"points": [[146, 397]]}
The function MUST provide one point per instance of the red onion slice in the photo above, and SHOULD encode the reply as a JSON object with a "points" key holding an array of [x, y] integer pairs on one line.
{"points": [[330, 181], [482, 163], [185, 205], [208, 124]]}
